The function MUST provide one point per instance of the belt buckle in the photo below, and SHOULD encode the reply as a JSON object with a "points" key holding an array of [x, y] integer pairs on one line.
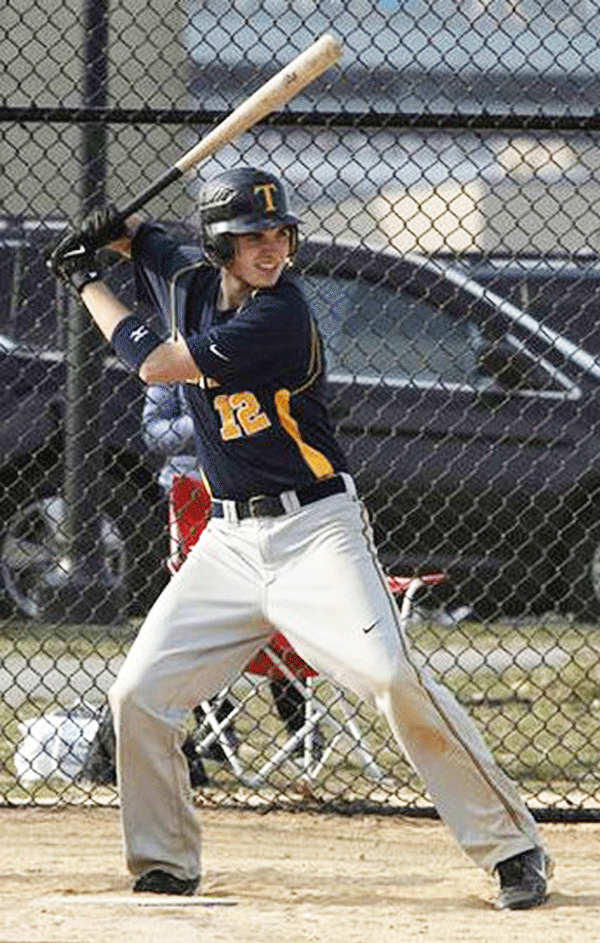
{"points": [[256, 499]]}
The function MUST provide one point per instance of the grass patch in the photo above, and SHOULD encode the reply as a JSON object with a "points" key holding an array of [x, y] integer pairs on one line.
{"points": [[532, 687]]}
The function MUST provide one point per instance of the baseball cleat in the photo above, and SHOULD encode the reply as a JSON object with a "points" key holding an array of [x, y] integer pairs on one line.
{"points": [[524, 880], [161, 882]]}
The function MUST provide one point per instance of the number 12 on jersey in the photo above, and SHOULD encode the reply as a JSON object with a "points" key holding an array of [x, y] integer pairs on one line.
{"points": [[240, 415]]}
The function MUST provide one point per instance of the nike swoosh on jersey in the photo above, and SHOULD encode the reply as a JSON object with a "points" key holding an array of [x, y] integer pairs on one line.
{"points": [[215, 350], [369, 628]]}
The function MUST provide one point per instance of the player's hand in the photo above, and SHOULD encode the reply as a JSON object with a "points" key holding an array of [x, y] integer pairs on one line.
{"points": [[103, 226], [74, 261]]}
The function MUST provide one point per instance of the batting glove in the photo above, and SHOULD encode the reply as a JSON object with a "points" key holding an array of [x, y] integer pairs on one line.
{"points": [[73, 261], [103, 226]]}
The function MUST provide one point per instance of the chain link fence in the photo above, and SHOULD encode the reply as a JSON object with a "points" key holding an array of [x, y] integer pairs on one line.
{"points": [[447, 174]]}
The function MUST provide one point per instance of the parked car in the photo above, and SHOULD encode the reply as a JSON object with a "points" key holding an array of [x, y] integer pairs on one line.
{"points": [[472, 428], [561, 291], [470, 424], [132, 516]]}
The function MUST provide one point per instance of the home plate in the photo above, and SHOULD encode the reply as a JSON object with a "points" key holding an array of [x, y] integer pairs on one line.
{"points": [[141, 900]]}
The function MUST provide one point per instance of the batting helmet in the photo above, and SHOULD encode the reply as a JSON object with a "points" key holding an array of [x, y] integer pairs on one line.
{"points": [[238, 201]]}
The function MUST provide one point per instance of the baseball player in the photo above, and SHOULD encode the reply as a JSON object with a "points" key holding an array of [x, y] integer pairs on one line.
{"points": [[288, 546]]}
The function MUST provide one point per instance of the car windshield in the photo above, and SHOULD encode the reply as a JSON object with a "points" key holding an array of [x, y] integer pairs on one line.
{"points": [[373, 331]]}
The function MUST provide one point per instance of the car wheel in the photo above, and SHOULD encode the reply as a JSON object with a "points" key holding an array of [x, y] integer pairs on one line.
{"points": [[578, 574], [594, 577], [33, 552]]}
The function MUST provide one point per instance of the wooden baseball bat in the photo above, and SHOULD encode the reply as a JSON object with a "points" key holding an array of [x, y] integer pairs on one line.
{"points": [[276, 92]]}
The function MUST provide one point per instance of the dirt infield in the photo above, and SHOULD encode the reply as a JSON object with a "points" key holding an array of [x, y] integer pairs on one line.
{"points": [[282, 878]]}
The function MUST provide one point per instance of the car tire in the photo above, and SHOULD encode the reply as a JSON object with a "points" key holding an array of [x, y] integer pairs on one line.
{"points": [[33, 551], [584, 597], [578, 577], [135, 546]]}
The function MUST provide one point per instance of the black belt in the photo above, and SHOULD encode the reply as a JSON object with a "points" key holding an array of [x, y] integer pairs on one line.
{"points": [[272, 505]]}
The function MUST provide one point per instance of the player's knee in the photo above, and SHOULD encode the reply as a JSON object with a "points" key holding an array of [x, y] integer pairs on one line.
{"points": [[409, 711], [124, 698], [135, 704], [116, 698]]}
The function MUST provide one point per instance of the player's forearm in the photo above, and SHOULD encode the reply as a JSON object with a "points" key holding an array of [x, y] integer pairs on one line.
{"points": [[105, 308], [169, 362]]}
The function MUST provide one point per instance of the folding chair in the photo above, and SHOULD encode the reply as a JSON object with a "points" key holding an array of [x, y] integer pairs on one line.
{"points": [[189, 507]]}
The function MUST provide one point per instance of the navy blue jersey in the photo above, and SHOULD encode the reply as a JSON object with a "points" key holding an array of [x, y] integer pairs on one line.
{"points": [[260, 416]]}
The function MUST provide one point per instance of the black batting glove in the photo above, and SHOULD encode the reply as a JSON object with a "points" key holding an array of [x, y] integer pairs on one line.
{"points": [[74, 261], [103, 226]]}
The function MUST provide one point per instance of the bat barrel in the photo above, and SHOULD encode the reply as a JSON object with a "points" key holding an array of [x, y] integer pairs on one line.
{"points": [[276, 92]]}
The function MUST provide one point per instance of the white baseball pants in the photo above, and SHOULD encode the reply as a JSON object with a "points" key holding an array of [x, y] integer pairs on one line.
{"points": [[313, 575]]}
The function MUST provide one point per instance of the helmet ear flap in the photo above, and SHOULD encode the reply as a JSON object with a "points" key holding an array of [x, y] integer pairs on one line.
{"points": [[219, 249]]}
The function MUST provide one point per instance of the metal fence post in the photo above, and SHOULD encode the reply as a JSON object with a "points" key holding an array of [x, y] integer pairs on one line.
{"points": [[86, 592]]}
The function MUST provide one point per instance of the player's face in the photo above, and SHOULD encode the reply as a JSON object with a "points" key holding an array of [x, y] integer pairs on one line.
{"points": [[260, 256]]}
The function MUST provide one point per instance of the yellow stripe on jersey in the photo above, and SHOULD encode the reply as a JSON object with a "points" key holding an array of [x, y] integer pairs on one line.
{"points": [[206, 484], [315, 364], [315, 460]]}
